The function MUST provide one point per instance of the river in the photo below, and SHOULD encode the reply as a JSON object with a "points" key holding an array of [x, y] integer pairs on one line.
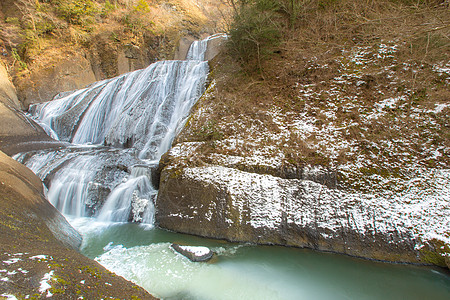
{"points": [[142, 253]]}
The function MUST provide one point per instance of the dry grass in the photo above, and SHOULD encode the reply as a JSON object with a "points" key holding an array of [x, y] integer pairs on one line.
{"points": [[335, 68], [37, 31]]}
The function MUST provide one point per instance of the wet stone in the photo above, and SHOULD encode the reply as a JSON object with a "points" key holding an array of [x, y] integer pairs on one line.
{"points": [[194, 253]]}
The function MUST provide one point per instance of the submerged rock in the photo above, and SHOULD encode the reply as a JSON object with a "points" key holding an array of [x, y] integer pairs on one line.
{"points": [[194, 253]]}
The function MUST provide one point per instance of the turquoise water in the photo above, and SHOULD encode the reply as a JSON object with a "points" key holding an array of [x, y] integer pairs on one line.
{"points": [[143, 254]]}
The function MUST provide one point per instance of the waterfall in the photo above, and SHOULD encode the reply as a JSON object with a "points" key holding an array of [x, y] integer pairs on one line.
{"points": [[118, 128]]}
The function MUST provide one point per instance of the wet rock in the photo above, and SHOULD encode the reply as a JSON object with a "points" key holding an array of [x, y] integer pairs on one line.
{"points": [[194, 253]]}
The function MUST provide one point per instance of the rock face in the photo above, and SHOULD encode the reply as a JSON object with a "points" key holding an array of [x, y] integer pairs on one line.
{"points": [[7, 90], [37, 241], [71, 73], [213, 48], [230, 204], [17, 132], [240, 205]]}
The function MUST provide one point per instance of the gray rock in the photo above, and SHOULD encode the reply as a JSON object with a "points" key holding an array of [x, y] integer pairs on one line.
{"points": [[225, 203], [194, 253]]}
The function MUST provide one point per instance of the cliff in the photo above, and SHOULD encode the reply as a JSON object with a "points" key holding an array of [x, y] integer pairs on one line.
{"points": [[334, 137]]}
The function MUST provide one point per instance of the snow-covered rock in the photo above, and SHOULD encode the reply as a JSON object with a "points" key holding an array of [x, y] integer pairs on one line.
{"points": [[194, 253], [221, 202]]}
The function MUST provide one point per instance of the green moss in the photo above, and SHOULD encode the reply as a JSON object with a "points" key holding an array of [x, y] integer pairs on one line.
{"points": [[93, 271], [55, 291], [10, 226], [61, 281], [436, 252], [209, 132]]}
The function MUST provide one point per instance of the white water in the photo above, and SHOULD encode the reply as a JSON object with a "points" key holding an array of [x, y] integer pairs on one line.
{"points": [[142, 109], [119, 129]]}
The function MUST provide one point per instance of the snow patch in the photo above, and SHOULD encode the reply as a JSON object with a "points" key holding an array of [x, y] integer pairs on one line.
{"points": [[196, 250], [11, 261], [45, 286], [8, 296]]}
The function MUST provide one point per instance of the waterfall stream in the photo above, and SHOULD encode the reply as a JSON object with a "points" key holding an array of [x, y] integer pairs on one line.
{"points": [[118, 130]]}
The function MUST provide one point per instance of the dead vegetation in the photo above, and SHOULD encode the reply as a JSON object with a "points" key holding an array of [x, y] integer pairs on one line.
{"points": [[35, 34], [361, 84]]}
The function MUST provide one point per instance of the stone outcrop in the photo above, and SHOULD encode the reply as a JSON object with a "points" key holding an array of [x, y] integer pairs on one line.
{"points": [[194, 253], [217, 200], [230, 204], [17, 132]]}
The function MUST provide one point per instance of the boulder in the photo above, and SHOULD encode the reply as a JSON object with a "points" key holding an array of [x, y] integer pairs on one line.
{"points": [[194, 253]]}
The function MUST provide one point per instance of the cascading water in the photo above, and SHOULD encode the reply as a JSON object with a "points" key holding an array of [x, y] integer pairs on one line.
{"points": [[119, 128]]}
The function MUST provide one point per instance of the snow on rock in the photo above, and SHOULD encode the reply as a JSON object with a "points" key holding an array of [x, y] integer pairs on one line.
{"points": [[8, 297], [382, 188], [194, 253], [227, 203], [11, 261], [40, 257], [45, 286]]}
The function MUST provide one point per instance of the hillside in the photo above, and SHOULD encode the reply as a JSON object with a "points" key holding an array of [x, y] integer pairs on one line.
{"points": [[326, 126], [52, 46]]}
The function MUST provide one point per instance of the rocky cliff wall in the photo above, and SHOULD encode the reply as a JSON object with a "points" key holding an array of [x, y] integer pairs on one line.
{"points": [[332, 154], [17, 132], [226, 203]]}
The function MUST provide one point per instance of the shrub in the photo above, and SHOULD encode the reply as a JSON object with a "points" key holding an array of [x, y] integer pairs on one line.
{"points": [[77, 12], [16, 56], [142, 6], [108, 8], [255, 32]]}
